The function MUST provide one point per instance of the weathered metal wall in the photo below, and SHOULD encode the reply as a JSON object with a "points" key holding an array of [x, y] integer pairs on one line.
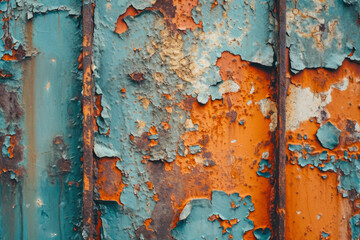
{"points": [[40, 120], [202, 119]]}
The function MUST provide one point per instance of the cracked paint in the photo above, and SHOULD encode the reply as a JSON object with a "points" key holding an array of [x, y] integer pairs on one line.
{"points": [[321, 128], [167, 85], [322, 33], [40, 126]]}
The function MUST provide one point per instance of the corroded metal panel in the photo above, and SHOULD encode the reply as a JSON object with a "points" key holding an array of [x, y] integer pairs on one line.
{"points": [[186, 119], [40, 120], [195, 119], [323, 114]]}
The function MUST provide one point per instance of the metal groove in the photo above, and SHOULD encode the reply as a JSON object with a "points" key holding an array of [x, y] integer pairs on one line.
{"points": [[282, 86], [88, 121]]}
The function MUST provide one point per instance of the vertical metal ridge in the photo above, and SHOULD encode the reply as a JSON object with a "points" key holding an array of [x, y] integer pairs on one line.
{"points": [[88, 121], [282, 86]]}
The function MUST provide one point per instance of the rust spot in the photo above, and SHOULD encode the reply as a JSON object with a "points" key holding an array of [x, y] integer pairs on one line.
{"points": [[137, 77], [109, 181], [141, 142], [121, 26], [60, 157], [10, 106], [166, 7], [150, 185], [232, 115], [11, 162]]}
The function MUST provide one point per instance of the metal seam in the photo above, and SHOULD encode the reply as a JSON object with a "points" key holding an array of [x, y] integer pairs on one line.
{"points": [[280, 161], [88, 121]]}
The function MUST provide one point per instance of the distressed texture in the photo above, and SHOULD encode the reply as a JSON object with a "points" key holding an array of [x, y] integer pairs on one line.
{"points": [[40, 120], [203, 218], [321, 165], [322, 33], [169, 75], [187, 119]]}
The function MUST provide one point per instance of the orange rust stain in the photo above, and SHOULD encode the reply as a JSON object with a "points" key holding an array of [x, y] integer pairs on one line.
{"points": [[150, 185], [98, 226], [123, 90], [168, 109], [165, 125], [156, 198], [320, 79], [109, 182], [80, 60], [225, 224], [168, 96], [121, 26], [314, 204], [4, 75], [98, 110], [234, 150], [183, 17], [13, 143], [153, 143], [153, 130], [8, 57], [145, 158], [147, 224], [214, 4]]}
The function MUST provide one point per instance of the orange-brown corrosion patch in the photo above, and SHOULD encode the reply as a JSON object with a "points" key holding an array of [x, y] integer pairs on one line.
{"points": [[177, 14], [109, 182], [313, 201], [183, 17], [98, 225], [320, 79], [230, 152], [121, 26]]}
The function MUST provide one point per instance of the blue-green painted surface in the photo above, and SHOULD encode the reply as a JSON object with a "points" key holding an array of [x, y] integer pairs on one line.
{"points": [[328, 135], [262, 234], [322, 33], [195, 224], [41, 198], [355, 227], [176, 63]]}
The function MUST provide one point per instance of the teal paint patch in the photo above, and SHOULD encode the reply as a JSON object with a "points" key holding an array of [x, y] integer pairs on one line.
{"points": [[349, 167], [328, 135], [264, 166], [42, 84], [6, 146], [116, 225], [262, 233], [322, 34], [295, 148], [196, 223], [247, 29], [355, 227], [325, 234], [194, 149]]}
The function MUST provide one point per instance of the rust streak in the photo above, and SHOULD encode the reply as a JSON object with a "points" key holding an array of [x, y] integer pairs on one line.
{"points": [[88, 123], [280, 161], [30, 126]]}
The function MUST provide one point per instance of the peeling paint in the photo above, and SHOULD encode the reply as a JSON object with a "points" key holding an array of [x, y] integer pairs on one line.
{"points": [[321, 33], [197, 220]]}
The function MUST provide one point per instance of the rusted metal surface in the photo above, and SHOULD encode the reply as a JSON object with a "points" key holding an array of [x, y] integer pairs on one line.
{"points": [[281, 158], [220, 119], [88, 121], [40, 120]]}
